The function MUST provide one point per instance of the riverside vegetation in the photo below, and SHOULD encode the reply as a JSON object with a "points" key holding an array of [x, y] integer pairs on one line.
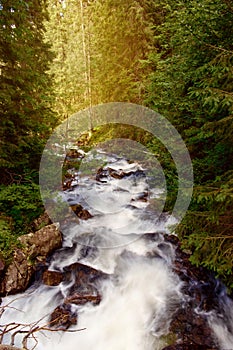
{"points": [[175, 57]]}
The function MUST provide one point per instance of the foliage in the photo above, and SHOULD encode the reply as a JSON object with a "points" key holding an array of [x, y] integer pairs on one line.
{"points": [[8, 240], [192, 86], [22, 203], [25, 114], [174, 56], [207, 228], [99, 61]]}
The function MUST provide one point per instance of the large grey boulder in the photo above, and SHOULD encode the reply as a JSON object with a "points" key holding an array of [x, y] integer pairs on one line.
{"points": [[36, 247]]}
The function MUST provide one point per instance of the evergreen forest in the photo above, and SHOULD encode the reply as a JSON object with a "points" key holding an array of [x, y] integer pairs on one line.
{"points": [[58, 57]]}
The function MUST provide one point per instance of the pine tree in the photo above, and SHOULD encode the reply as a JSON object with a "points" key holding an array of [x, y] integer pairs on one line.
{"points": [[100, 47], [192, 85], [25, 114]]}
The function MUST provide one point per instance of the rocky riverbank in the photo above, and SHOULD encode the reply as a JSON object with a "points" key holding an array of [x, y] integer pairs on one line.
{"points": [[34, 248], [189, 327]]}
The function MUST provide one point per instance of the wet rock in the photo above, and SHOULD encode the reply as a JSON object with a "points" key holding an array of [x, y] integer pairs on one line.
{"points": [[81, 299], [36, 247], [87, 251], [154, 236], [80, 212], [63, 317], [17, 275], [70, 181], [142, 197], [116, 174], [85, 278], [192, 329], [120, 174], [189, 323], [165, 248], [67, 184], [84, 290], [42, 242], [74, 153], [184, 346], [52, 278], [172, 239], [102, 175], [8, 347]]}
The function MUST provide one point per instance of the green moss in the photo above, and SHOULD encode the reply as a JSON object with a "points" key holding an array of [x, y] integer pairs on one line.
{"points": [[8, 240]]}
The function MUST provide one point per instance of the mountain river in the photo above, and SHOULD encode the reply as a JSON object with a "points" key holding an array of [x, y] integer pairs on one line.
{"points": [[141, 291]]}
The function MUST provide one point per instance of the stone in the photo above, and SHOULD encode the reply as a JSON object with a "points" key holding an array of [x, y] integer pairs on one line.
{"points": [[84, 274], [200, 290], [42, 242], [43, 220], [80, 212], [116, 174], [8, 347], [84, 290], [142, 197], [67, 184], [17, 275], [153, 236], [52, 278], [36, 247], [63, 317], [120, 174], [74, 153], [81, 299], [185, 346], [102, 175]]}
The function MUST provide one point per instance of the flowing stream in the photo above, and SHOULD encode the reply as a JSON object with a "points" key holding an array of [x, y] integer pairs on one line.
{"points": [[141, 292]]}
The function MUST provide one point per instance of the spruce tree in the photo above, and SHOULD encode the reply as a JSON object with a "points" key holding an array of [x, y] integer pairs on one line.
{"points": [[100, 47], [192, 86], [26, 119]]}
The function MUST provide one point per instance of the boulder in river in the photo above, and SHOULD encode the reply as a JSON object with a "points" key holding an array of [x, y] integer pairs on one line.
{"points": [[103, 173], [187, 346], [84, 277], [52, 278], [8, 347], [75, 153], [189, 324], [80, 212], [84, 290], [83, 298], [63, 317]]}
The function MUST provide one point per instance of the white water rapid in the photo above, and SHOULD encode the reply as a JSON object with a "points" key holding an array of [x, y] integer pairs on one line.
{"points": [[141, 292]]}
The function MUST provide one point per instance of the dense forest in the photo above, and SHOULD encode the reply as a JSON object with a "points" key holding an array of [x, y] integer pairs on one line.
{"points": [[175, 57]]}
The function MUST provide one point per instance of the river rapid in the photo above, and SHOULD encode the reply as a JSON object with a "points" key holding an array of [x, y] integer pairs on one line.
{"points": [[124, 238]]}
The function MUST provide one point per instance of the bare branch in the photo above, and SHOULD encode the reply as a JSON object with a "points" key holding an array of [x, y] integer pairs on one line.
{"points": [[29, 330]]}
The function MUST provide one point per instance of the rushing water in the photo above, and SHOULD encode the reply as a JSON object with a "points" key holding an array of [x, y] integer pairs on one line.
{"points": [[141, 293]]}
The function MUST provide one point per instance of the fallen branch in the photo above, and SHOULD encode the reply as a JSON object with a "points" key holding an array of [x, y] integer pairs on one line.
{"points": [[28, 330]]}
